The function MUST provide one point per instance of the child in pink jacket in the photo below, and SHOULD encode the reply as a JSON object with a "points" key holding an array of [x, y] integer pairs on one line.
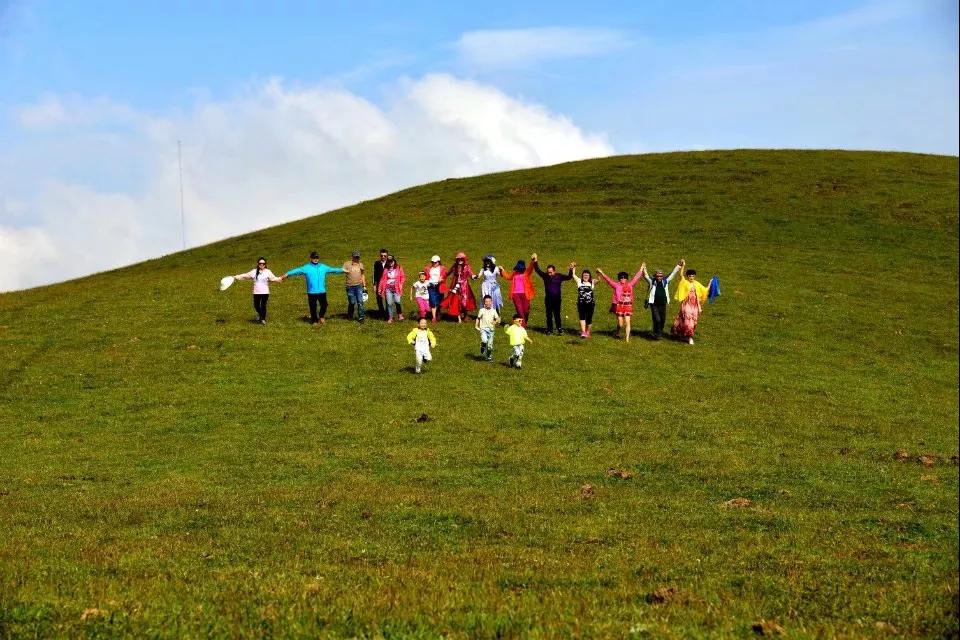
{"points": [[622, 298]]}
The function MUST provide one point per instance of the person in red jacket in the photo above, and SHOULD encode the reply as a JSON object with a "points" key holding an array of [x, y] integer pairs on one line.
{"points": [[521, 289]]}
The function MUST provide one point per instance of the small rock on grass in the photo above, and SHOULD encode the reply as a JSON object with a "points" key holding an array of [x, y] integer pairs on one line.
{"points": [[662, 595], [587, 492], [767, 628], [91, 613], [738, 503], [927, 461], [901, 455], [619, 473]]}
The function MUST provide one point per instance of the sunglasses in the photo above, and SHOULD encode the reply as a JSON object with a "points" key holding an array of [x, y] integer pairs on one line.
{"points": [[261, 263]]}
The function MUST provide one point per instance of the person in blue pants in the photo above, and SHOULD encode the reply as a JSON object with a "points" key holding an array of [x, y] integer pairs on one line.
{"points": [[315, 273]]}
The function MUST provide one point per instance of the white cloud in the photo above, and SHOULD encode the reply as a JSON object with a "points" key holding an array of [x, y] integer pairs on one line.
{"points": [[518, 47], [92, 185]]}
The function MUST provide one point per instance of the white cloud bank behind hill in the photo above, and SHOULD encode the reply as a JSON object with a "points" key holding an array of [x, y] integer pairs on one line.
{"points": [[93, 185]]}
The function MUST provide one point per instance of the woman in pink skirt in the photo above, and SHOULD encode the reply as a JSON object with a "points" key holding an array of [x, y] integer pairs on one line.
{"points": [[691, 295]]}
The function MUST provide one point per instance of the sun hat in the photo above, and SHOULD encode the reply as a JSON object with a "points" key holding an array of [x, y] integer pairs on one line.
{"points": [[435, 258], [225, 282], [355, 254], [461, 254]]}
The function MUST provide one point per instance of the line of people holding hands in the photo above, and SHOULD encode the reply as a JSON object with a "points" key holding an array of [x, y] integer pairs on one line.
{"points": [[438, 291]]}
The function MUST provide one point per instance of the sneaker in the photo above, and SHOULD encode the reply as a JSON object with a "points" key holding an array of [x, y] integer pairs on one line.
{"points": [[559, 332], [583, 334], [690, 341], [519, 365], [416, 370], [490, 357], [262, 321], [390, 321]]}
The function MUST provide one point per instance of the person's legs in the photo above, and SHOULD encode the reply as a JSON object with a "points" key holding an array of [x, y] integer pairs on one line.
{"points": [[351, 302], [322, 297], [419, 360], [388, 305], [424, 306], [557, 304], [490, 344], [434, 293], [361, 306], [260, 305], [589, 316], [522, 302], [381, 310], [399, 305], [312, 299], [626, 326], [548, 308], [659, 313], [518, 356]]}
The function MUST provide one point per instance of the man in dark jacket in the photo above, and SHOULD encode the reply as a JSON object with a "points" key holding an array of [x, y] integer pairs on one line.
{"points": [[378, 267], [551, 283]]}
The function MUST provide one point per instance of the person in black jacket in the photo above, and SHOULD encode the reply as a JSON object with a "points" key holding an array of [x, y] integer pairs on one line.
{"points": [[551, 282], [378, 267]]}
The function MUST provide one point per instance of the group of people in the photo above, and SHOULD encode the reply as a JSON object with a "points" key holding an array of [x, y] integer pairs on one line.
{"points": [[438, 291]]}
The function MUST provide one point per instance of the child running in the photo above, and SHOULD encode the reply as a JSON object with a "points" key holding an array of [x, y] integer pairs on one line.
{"points": [[487, 321], [420, 293], [586, 299], [422, 340], [622, 299], [518, 337]]}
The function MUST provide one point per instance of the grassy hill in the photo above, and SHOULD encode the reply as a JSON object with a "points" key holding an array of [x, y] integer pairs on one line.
{"points": [[169, 468]]}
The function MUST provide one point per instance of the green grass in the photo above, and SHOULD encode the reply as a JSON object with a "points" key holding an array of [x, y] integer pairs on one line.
{"points": [[190, 474]]}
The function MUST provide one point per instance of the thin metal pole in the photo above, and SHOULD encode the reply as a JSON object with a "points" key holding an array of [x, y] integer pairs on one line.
{"points": [[183, 220]]}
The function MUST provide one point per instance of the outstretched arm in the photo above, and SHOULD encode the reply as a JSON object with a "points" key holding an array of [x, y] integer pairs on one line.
{"points": [[607, 279]]}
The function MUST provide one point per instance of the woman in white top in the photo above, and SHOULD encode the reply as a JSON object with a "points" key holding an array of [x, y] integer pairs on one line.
{"points": [[586, 299], [262, 277]]}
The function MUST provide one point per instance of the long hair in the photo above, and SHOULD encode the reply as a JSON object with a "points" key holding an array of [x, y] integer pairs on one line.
{"points": [[257, 277]]}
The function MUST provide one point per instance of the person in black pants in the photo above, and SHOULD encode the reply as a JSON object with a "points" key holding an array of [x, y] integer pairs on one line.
{"points": [[659, 296], [586, 300], [378, 268], [551, 283], [262, 277]]}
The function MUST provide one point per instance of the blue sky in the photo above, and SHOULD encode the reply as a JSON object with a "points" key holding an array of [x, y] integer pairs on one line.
{"points": [[95, 95]]}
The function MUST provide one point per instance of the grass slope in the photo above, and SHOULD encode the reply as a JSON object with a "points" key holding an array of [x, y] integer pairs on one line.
{"points": [[169, 468]]}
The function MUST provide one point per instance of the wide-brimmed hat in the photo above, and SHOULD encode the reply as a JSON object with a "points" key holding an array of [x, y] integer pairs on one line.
{"points": [[460, 256]]}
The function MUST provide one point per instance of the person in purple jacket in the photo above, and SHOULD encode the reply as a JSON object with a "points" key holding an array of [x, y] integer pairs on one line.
{"points": [[551, 284]]}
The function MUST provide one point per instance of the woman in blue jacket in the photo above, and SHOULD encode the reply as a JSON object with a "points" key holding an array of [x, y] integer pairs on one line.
{"points": [[315, 273]]}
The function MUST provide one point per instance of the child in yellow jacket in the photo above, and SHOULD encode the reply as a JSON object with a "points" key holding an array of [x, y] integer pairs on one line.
{"points": [[518, 337], [422, 340]]}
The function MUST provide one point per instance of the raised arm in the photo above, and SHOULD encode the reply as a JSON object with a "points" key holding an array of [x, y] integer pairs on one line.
{"points": [[636, 277], [676, 270], [607, 279], [536, 266]]}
